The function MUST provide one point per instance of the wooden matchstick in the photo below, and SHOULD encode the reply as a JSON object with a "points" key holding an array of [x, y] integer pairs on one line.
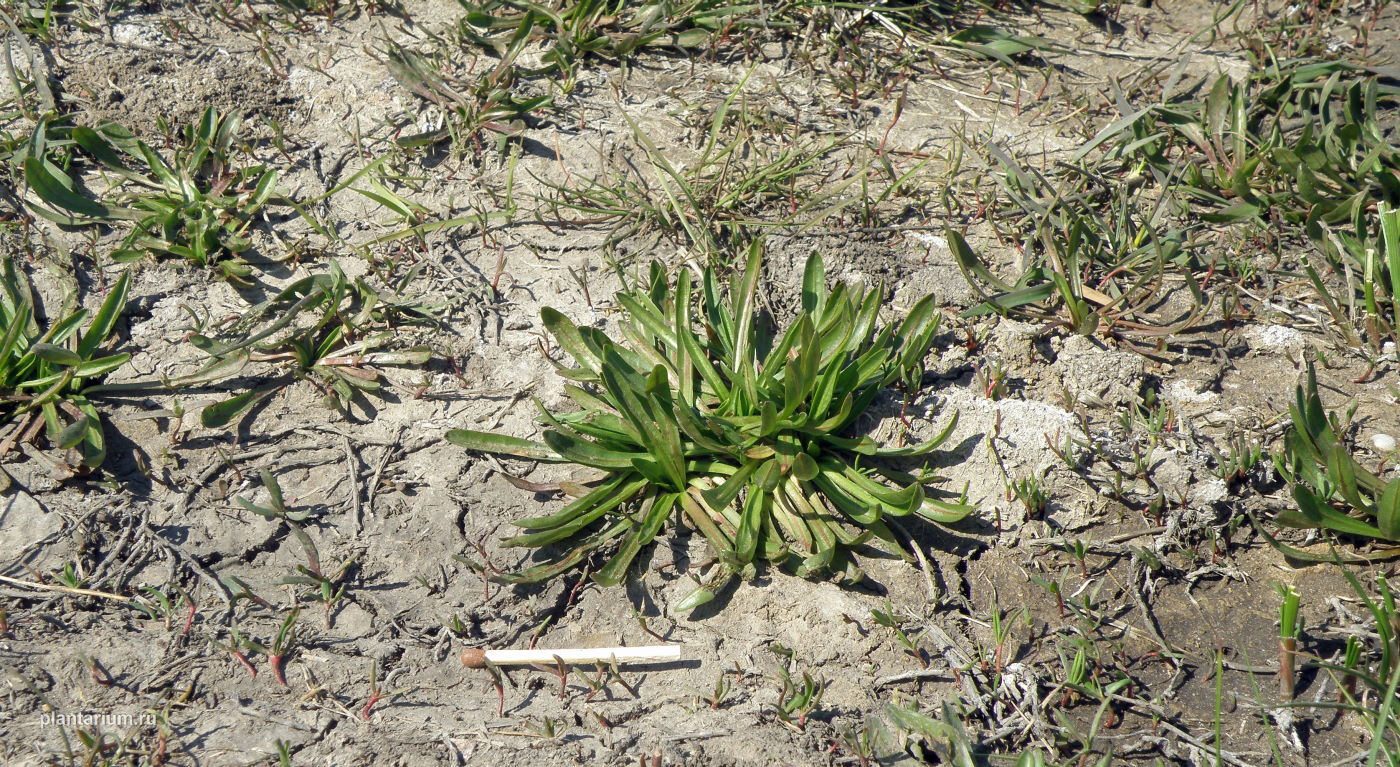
{"points": [[477, 658]]}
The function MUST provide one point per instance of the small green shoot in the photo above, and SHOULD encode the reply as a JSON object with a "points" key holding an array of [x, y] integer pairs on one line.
{"points": [[889, 620], [1289, 626], [797, 700], [281, 644]]}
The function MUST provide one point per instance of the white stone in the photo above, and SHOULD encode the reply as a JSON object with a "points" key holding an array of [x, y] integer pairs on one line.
{"points": [[139, 34], [1275, 337], [1186, 391], [1209, 492]]}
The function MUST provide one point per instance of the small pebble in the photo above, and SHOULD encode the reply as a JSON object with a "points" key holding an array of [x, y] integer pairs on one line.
{"points": [[1383, 442]]}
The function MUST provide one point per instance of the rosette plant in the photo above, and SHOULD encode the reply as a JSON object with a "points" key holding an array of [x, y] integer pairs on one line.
{"points": [[699, 413], [1332, 489], [48, 368]]}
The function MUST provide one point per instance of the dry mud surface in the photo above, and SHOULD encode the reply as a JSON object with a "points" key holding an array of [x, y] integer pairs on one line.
{"points": [[396, 505]]}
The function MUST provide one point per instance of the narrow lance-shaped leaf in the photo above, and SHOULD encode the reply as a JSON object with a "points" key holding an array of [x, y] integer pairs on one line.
{"points": [[568, 561], [574, 448], [684, 363], [587, 516], [916, 333], [860, 510], [922, 448], [55, 354], [814, 286], [726, 492], [971, 265], [105, 321], [73, 433], [652, 519], [750, 525], [1388, 511], [744, 308], [1322, 515], [619, 488], [52, 191], [93, 445], [944, 512], [567, 334], [223, 413], [1340, 470]]}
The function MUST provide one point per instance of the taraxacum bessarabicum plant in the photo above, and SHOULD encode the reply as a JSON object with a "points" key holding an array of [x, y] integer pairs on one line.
{"points": [[198, 205], [744, 436], [48, 367], [1333, 491], [325, 328]]}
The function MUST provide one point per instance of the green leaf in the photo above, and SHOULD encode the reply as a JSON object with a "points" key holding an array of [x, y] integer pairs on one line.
{"points": [[106, 318], [750, 523], [73, 433], [54, 192], [814, 286], [100, 367], [970, 264], [690, 38], [274, 489], [162, 171], [1004, 302], [586, 516], [261, 511], [588, 453], [744, 308], [723, 495], [103, 151], [1307, 556], [901, 502], [568, 336], [1112, 130], [1341, 472], [695, 598], [768, 419], [863, 511], [1388, 511], [698, 357], [1239, 212], [944, 512], [616, 489], [221, 414], [64, 329], [922, 448], [568, 561], [804, 467], [55, 354], [950, 730], [1324, 516], [653, 518], [649, 317], [916, 333], [486, 442]]}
